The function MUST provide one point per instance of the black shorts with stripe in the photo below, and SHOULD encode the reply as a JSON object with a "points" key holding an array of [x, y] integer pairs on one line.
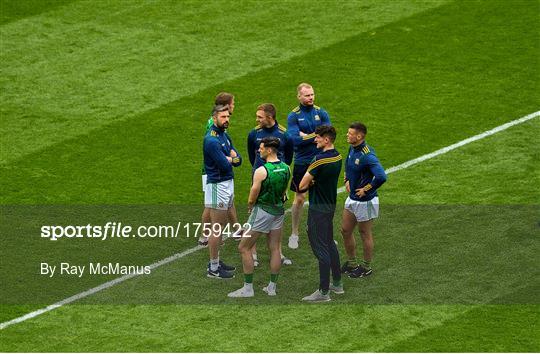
{"points": [[298, 173]]}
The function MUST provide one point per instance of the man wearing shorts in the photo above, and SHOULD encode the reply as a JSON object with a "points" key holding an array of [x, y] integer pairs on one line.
{"points": [[321, 178], [220, 157], [267, 212], [301, 125], [222, 98], [364, 174], [268, 127]]}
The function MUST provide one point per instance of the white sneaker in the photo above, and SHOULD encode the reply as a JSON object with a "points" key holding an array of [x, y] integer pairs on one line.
{"points": [[255, 263], [293, 242], [270, 290], [242, 292], [337, 289], [317, 296]]}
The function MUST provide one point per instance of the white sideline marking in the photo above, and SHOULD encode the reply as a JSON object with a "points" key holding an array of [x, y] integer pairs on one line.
{"points": [[195, 249]]}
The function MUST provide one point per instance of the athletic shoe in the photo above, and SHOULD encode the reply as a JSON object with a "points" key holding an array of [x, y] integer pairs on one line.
{"points": [[242, 292], [285, 261], [293, 242], [203, 241], [337, 289], [270, 290], [346, 269], [220, 273], [360, 272], [317, 296], [228, 268], [255, 262]]}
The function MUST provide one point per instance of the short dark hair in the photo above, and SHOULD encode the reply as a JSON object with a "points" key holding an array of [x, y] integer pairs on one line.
{"points": [[224, 98], [326, 131], [359, 127], [219, 108], [268, 109], [271, 142]]}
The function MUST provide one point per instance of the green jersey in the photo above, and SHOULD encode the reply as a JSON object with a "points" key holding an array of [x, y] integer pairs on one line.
{"points": [[274, 187], [325, 170], [208, 126]]}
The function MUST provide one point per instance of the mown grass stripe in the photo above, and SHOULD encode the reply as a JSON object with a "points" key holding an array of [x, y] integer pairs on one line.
{"points": [[87, 64]]}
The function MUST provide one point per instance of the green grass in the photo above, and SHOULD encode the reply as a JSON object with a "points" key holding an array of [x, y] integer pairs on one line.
{"points": [[84, 66], [15, 10], [457, 240], [414, 97]]}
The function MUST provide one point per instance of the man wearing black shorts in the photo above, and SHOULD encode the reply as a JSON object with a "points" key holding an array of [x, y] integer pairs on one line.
{"points": [[321, 178], [301, 125]]}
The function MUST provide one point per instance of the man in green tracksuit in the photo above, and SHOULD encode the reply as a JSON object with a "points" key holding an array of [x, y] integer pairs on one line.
{"points": [[267, 212]]}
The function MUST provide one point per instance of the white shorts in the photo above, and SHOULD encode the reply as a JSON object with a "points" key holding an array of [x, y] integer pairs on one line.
{"points": [[363, 211], [204, 177], [262, 221], [219, 195]]}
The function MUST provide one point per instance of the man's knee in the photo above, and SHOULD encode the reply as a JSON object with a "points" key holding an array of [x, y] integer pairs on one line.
{"points": [[243, 247], [324, 260], [346, 233], [365, 234], [299, 199]]}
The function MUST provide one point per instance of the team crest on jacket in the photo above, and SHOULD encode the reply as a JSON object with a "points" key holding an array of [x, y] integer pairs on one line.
{"points": [[357, 161], [317, 117]]}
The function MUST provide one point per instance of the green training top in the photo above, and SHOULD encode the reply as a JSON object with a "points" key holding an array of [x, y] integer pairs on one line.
{"points": [[208, 126], [272, 195], [325, 170]]}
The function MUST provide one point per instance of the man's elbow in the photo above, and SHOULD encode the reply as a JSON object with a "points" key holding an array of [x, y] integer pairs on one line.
{"points": [[304, 185]]}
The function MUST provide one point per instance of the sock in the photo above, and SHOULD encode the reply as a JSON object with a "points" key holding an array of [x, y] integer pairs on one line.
{"points": [[366, 264], [274, 278], [214, 264], [254, 256], [248, 278], [352, 262]]}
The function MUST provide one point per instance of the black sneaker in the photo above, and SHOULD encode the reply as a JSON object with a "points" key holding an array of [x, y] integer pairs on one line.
{"points": [[202, 242], [346, 269], [228, 268], [220, 273], [360, 272]]}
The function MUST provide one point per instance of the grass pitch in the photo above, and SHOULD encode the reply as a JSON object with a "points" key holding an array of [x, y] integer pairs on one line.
{"points": [[104, 104]]}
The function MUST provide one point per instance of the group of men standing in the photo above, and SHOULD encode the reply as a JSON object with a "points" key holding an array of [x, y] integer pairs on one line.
{"points": [[310, 138]]}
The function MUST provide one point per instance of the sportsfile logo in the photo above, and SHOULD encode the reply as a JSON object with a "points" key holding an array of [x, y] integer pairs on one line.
{"points": [[114, 229]]}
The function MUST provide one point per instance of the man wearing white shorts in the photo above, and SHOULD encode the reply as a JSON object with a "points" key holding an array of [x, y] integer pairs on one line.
{"points": [[364, 174], [220, 157], [267, 212], [219, 195], [223, 98]]}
